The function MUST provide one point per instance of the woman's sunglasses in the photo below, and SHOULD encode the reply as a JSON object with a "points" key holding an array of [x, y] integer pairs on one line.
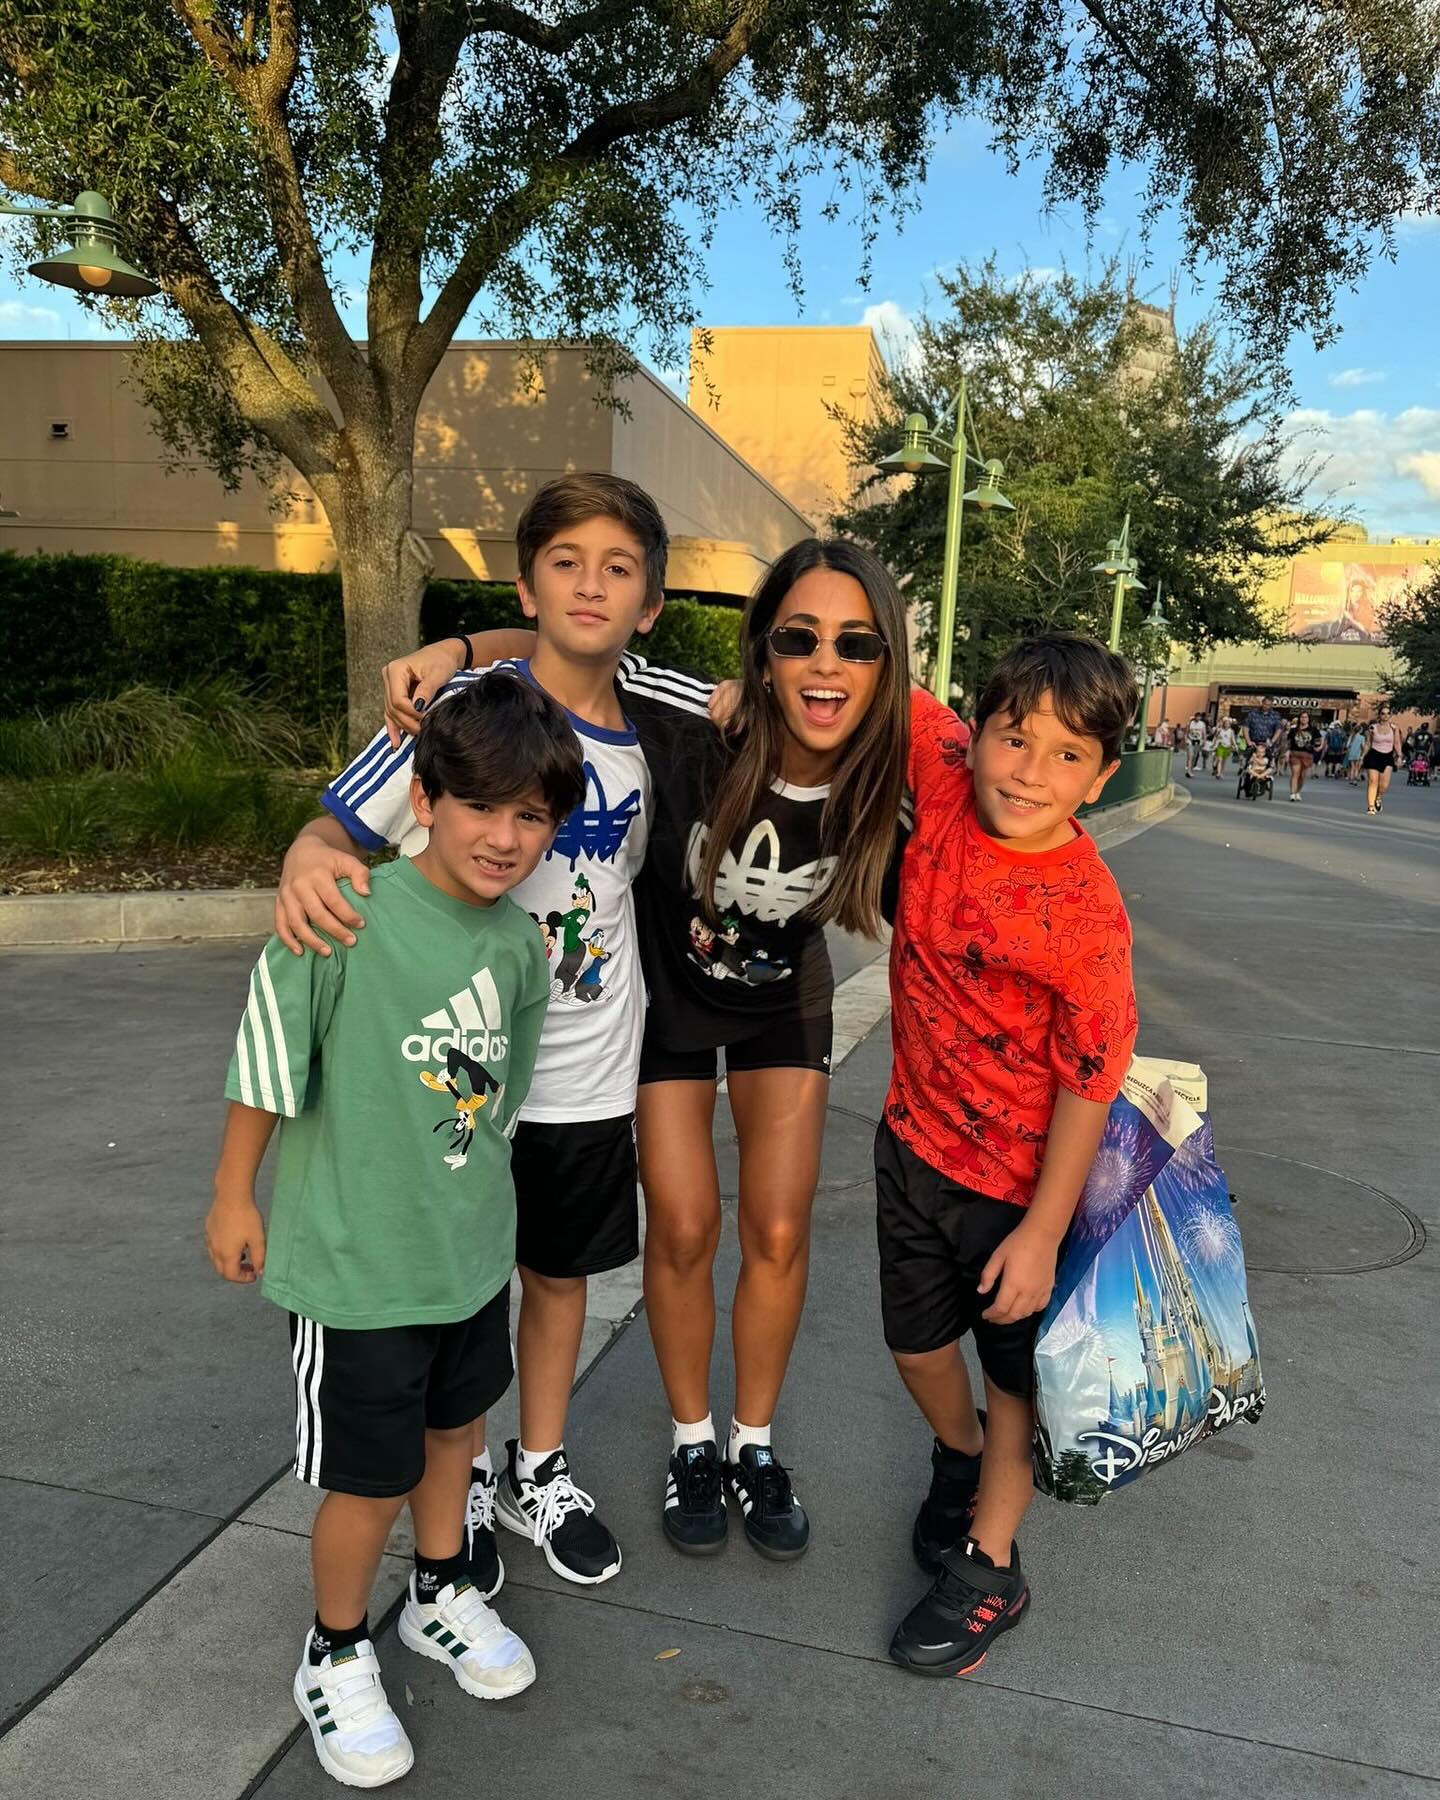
{"points": [[850, 646]]}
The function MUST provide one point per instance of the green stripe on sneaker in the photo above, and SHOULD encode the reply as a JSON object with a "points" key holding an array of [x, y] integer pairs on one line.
{"points": [[322, 1711], [314, 1693], [459, 1647], [328, 1727], [431, 1629]]}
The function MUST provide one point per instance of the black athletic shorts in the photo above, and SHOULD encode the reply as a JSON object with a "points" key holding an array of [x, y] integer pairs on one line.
{"points": [[363, 1399], [935, 1239], [576, 1205], [786, 1043]]}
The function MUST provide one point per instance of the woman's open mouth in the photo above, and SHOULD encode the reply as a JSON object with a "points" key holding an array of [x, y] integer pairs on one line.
{"points": [[822, 706]]}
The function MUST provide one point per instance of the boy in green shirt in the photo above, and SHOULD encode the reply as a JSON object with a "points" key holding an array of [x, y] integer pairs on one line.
{"points": [[399, 1065]]}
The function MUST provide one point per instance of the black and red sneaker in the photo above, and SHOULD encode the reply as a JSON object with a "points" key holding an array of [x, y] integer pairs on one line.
{"points": [[947, 1511], [951, 1630]]}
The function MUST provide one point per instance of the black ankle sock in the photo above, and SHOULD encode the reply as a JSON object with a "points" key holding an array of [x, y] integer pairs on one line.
{"points": [[433, 1573], [327, 1641]]}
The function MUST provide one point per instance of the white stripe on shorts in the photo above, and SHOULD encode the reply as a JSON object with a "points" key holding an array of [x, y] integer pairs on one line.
{"points": [[308, 1357]]}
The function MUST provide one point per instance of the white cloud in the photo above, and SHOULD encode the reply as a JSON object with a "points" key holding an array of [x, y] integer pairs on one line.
{"points": [[1424, 465], [1385, 465], [895, 329], [1418, 224], [1357, 377], [35, 320]]}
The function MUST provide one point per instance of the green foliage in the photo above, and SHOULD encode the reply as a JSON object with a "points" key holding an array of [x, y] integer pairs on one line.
{"points": [[260, 655], [186, 803], [1095, 411], [1412, 626]]}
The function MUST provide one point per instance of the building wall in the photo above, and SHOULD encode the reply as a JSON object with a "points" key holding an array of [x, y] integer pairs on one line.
{"points": [[489, 433], [765, 390]]}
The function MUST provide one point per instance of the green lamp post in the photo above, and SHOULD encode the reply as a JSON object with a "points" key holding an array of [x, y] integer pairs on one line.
{"points": [[94, 265], [1121, 565], [924, 451], [1157, 622]]}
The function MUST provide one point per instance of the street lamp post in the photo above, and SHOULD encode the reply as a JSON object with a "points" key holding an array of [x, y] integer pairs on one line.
{"points": [[94, 265], [1156, 622], [1119, 563], [917, 456]]}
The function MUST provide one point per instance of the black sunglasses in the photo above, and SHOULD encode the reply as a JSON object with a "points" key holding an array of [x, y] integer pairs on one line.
{"points": [[850, 646]]}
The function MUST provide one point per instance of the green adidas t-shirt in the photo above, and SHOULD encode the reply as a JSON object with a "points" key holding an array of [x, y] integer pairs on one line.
{"points": [[398, 1068]]}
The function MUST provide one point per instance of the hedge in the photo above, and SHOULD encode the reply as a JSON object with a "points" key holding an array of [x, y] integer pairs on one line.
{"points": [[72, 627]]}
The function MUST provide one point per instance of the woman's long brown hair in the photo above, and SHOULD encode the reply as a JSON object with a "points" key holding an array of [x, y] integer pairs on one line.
{"points": [[858, 825]]}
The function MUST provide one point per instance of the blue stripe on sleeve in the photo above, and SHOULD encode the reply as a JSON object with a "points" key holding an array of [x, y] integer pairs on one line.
{"points": [[358, 829], [357, 772]]}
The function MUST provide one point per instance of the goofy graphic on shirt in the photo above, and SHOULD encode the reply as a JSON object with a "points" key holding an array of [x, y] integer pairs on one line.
{"points": [[471, 1086]]}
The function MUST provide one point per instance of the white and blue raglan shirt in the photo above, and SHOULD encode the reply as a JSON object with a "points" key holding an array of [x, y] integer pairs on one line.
{"points": [[580, 896]]}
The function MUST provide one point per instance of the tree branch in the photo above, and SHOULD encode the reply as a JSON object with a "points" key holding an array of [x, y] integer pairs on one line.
{"points": [[14, 177], [555, 40], [263, 90], [431, 35], [266, 384], [512, 219], [1268, 71]]}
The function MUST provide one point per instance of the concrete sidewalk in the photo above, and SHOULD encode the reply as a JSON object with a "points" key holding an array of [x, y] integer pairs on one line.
{"points": [[1258, 1619]]}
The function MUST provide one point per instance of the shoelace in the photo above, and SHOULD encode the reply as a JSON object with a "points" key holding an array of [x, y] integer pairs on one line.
{"points": [[481, 1516], [773, 1490], [558, 1498], [973, 1606], [699, 1484]]}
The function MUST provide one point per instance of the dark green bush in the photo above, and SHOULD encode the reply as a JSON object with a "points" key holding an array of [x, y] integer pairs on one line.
{"points": [[76, 627]]}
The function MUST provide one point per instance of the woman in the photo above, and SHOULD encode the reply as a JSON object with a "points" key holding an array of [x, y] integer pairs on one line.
{"points": [[1382, 750], [1304, 742], [758, 841]]}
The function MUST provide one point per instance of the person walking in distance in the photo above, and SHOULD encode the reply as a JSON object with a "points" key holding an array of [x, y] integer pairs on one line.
{"points": [[1305, 740], [1354, 753], [1382, 749], [1194, 744], [1224, 746]]}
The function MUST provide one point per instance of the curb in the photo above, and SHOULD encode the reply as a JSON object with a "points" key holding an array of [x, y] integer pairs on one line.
{"points": [[35, 920]]}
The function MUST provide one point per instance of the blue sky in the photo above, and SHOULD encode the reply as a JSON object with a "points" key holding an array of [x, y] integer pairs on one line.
{"points": [[1370, 401]]}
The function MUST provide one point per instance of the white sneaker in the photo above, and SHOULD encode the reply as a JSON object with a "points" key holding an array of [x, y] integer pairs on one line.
{"points": [[357, 1736], [459, 1629]]}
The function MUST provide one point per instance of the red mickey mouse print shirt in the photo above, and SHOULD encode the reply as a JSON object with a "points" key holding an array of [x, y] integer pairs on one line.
{"points": [[1009, 979]]}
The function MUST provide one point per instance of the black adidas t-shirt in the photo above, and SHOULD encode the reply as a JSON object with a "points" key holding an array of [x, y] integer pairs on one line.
{"points": [[718, 976]]}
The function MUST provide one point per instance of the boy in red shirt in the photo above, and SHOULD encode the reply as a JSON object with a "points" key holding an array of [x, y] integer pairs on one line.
{"points": [[1013, 1019]]}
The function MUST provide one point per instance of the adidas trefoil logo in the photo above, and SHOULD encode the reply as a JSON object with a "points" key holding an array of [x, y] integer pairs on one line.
{"points": [[470, 1023]]}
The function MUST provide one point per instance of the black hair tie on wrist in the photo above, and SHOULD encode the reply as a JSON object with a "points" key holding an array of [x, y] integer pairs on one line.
{"points": [[469, 662]]}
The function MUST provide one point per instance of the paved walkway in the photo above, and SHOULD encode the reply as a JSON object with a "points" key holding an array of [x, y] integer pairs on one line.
{"points": [[1258, 1619]]}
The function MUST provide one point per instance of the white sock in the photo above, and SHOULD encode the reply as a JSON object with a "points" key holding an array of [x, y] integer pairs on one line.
{"points": [[701, 1432], [528, 1461], [740, 1435], [481, 1465]]}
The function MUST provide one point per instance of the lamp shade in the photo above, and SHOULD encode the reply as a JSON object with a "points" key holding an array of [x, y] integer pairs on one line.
{"points": [[914, 457], [95, 268], [986, 493]]}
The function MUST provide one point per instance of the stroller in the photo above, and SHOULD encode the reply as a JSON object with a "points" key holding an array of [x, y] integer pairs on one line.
{"points": [[1253, 783], [1418, 773]]}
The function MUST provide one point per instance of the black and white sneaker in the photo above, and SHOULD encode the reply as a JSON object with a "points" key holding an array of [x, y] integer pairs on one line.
{"points": [[775, 1521], [487, 1571], [694, 1515], [951, 1630], [558, 1518], [946, 1513]]}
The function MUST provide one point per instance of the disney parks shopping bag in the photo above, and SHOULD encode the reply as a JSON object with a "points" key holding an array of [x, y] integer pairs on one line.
{"points": [[1147, 1345]]}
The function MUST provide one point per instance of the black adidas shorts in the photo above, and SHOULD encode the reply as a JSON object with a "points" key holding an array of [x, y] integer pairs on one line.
{"points": [[576, 1205], [785, 1043], [935, 1239], [363, 1399]]}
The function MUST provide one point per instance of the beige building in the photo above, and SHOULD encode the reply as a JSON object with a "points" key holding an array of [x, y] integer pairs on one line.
{"points": [[1334, 658], [81, 470], [769, 390]]}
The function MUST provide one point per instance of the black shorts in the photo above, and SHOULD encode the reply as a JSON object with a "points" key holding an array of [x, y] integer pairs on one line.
{"points": [[576, 1205], [1379, 760], [786, 1043], [935, 1238], [363, 1399]]}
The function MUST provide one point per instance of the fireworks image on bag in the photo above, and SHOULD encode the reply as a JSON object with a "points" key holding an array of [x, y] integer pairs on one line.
{"points": [[1148, 1345]]}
